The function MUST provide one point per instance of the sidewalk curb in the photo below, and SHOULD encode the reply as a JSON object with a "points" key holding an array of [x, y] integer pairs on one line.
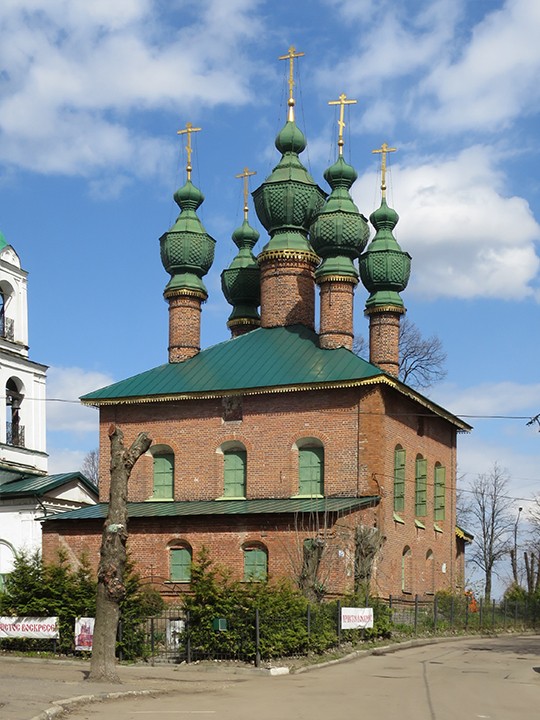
{"points": [[60, 706]]}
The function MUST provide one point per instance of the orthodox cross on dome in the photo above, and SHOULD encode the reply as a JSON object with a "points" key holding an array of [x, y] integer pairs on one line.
{"points": [[187, 131], [291, 56], [246, 173], [384, 150], [341, 101]]}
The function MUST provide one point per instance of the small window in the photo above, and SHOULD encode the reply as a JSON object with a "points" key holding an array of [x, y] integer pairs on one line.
{"points": [[420, 506], [255, 564], [180, 564], [439, 500], [399, 479], [235, 463], [311, 471], [430, 573], [163, 476], [406, 570]]}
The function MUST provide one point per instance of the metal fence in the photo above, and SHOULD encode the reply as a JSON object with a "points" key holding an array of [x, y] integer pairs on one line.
{"points": [[174, 636]]}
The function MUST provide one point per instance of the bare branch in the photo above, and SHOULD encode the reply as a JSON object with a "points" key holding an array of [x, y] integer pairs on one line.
{"points": [[421, 360]]}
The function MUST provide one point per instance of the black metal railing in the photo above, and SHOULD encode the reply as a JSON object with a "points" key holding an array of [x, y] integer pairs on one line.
{"points": [[7, 328], [15, 434]]}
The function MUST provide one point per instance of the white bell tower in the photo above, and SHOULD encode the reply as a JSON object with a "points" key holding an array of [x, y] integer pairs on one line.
{"points": [[22, 381]]}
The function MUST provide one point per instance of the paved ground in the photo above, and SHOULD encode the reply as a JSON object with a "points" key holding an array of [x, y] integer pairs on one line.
{"points": [[31, 686], [497, 678]]}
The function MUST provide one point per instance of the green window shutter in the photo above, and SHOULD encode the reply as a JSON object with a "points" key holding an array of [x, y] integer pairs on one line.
{"points": [[255, 564], [163, 477], [235, 462], [180, 564], [399, 479], [420, 508], [439, 500], [311, 471]]}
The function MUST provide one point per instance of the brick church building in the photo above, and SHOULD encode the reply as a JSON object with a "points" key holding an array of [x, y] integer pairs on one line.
{"points": [[280, 450]]}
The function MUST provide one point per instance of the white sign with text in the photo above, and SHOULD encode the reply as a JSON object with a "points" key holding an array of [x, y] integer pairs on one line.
{"points": [[29, 627], [356, 618]]}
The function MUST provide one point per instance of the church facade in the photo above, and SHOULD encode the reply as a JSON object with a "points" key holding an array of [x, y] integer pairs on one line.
{"points": [[280, 451]]}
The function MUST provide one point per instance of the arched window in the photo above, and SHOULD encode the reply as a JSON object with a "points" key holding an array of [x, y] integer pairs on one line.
{"points": [[399, 479], [406, 569], [420, 499], [180, 558], [6, 323], [439, 498], [234, 473], [311, 469], [14, 398], [163, 474], [255, 563], [430, 573], [7, 561]]}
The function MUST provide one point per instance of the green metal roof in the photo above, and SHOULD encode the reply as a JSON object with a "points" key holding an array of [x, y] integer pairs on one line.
{"points": [[464, 534], [266, 358], [40, 485], [225, 507]]}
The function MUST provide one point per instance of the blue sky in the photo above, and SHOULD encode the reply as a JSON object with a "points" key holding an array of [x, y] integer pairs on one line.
{"points": [[91, 97]]}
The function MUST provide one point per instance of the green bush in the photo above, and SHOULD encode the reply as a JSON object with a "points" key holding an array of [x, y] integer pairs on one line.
{"points": [[39, 589], [283, 611]]}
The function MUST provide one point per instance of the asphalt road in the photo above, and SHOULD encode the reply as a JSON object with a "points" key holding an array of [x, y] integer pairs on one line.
{"points": [[495, 679]]}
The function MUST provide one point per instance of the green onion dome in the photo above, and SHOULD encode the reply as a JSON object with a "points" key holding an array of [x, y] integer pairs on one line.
{"points": [[289, 198], [339, 233], [187, 251], [240, 282], [384, 267]]}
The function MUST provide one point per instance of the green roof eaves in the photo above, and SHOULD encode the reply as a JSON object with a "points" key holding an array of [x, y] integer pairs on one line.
{"points": [[39, 485], [274, 506]]}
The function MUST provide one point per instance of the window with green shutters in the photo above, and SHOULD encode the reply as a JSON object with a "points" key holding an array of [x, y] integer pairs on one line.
{"points": [[439, 500], [180, 559], [235, 463], [163, 476], [399, 479], [420, 505], [311, 471], [255, 564]]}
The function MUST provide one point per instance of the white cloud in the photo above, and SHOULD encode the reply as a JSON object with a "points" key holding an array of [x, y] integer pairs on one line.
{"points": [[489, 399], [62, 460], [401, 40], [466, 237], [74, 74], [495, 77], [67, 385]]}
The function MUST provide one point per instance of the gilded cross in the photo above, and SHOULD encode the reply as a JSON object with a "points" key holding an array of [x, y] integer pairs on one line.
{"points": [[291, 56], [187, 131], [246, 173], [341, 101], [384, 150]]}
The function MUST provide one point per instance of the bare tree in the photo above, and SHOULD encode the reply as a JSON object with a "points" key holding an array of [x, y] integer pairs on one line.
{"points": [[492, 521], [111, 588], [532, 556], [90, 466], [421, 360]]}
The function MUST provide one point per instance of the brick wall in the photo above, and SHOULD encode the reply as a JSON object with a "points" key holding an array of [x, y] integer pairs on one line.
{"points": [[336, 309], [184, 326], [359, 429], [287, 290]]}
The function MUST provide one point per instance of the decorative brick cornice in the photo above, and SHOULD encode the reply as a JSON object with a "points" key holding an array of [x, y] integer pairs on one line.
{"points": [[290, 256], [185, 292]]}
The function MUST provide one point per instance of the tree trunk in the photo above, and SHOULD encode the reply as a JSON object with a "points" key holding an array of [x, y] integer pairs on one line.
{"points": [[111, 589]]}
